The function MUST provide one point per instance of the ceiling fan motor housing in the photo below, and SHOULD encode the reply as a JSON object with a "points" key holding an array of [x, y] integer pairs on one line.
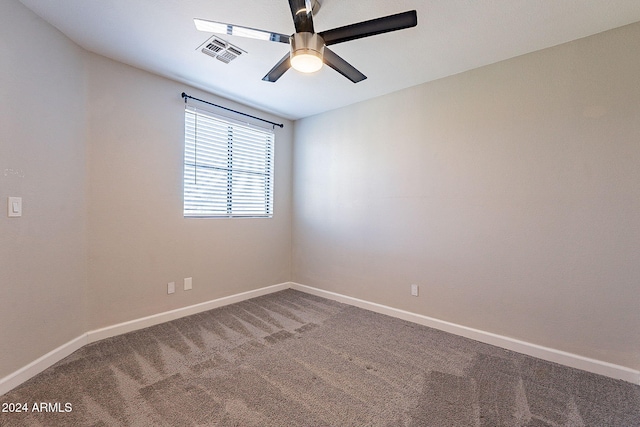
{"points": [[307, 50]]}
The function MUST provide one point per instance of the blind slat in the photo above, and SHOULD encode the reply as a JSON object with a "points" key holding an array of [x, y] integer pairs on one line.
{"points": [[228, 168]]}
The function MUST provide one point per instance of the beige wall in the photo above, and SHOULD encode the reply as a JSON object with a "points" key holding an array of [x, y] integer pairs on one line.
{"points": [[42, 160], [99, 146], [138, 238], [510, 194]]}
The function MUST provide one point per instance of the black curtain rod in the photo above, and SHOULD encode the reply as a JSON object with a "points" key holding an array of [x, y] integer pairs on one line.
{"points": [[185, 96]]}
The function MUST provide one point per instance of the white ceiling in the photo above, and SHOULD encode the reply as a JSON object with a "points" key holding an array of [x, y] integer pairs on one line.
{"points": [[452, 36]]}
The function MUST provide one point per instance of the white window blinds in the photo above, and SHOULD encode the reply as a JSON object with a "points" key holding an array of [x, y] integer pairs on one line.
{"points": [[228, 167]]}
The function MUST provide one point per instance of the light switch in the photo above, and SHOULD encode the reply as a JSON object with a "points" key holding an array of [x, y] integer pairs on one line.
{"points": [[14, 206]]}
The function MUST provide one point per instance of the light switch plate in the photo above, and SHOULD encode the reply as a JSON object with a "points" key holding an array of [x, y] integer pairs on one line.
{"points": [[171, 287], [14, 206], [188, 283]]}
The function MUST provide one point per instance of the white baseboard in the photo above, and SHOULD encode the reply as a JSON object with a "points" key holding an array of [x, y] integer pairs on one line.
{"points": [[34, 368], [545, 353], [156, 319], [552, 355]]}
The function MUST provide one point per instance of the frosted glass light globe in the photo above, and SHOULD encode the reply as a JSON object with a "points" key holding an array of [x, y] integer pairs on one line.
{"points": [[307, 62]]}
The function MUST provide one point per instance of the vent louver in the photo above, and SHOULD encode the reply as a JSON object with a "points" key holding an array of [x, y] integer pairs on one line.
{"points": [[221, 50]]}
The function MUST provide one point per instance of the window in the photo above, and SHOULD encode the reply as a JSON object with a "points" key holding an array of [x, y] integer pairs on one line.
{"points": [[228, 167]]}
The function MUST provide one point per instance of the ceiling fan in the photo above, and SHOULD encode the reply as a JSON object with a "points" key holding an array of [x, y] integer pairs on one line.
{"points": [[308, 49]]}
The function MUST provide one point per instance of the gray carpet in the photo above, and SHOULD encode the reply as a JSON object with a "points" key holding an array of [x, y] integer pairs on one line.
{"points": [[293, 359]]}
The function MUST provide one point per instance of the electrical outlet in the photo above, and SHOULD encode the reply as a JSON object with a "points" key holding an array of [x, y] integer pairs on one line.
{"points": [[414, 290], [188, 283], [171, 287]]}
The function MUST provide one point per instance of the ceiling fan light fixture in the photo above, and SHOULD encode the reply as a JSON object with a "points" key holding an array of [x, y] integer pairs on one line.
{"points": [[306, 62], [307, 52], [308, 49]]}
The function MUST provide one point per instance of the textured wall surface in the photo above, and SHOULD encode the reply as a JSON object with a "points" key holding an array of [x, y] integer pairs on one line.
{"points": [[95, 149], [138, 239], [42, 160], [509, 194]]}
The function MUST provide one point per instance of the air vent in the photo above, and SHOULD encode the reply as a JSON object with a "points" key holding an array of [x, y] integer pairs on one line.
{"points": [[221, 50]]}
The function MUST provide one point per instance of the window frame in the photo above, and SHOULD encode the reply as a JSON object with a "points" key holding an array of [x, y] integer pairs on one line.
{"points": [[248, 167]]}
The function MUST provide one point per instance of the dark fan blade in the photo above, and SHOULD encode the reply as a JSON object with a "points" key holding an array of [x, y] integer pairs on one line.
{"points": [[237, 30], [342, 66], [302, 16], [278, 70], [370, 28]]}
